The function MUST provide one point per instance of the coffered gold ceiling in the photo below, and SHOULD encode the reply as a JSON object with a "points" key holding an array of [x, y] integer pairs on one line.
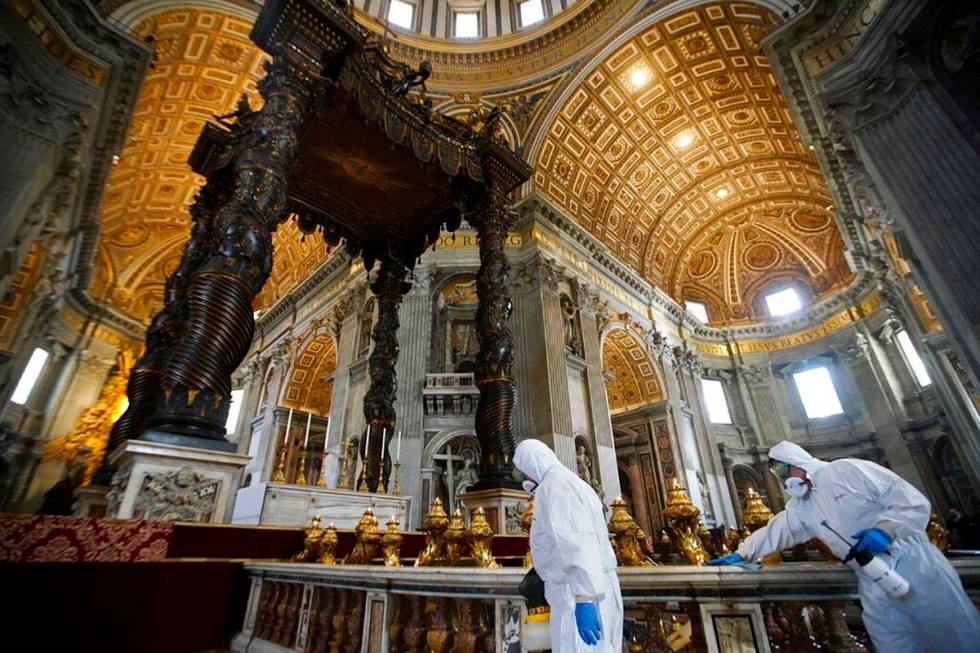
{"points": [[310, 386], [631, 378], [679, 153], [204, 61]]}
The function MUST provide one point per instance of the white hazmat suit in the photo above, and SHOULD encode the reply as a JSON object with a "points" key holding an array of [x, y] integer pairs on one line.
{"points": [[852, 495], [571, 550]]}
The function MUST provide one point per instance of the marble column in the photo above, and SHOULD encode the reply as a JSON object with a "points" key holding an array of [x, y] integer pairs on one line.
{"points": [[900, 104], [769, 421], [415, 335], [863, 383], [598, 402], [541, 368]]}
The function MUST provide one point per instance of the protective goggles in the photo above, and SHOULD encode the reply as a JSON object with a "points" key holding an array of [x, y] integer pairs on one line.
{"points": [[779, 469]]}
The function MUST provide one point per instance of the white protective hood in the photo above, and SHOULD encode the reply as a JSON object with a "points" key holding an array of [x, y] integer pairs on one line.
{"points": [[797, 456], [535, 459]]}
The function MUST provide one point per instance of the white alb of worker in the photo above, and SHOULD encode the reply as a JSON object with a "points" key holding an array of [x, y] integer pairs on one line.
{"points": [[572, 554], [881, 512]]}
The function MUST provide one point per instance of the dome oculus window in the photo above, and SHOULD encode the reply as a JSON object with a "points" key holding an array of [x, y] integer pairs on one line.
{"points": [[402, 14], [466, 25], [532, 11], [28, 379], [697, 309], [783, 302], [817, 393], [913, 359], [714, 399]]}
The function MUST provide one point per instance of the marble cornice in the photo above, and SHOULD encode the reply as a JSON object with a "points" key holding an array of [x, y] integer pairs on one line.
{"points": [[128, 59], [301, 293], [859, 290]]}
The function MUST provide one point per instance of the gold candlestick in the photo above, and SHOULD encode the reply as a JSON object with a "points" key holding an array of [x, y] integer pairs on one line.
{"points": [[381, 477], [279, 475], [396, 488], [391, 544], [321, 480], [346, 467], [301, 472]]}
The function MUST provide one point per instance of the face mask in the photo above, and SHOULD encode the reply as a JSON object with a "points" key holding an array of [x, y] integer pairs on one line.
{"points": [[796, 487], [529, 486]]}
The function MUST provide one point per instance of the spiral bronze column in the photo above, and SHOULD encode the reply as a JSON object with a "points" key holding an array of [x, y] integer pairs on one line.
{"points": [[389, 286], [498, 391], [143, 386], [196, 381]]}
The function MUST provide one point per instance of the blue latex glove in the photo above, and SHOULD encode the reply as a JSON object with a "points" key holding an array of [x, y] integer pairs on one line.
{"points": [[874, 540], [730, 559], [587, 620]]}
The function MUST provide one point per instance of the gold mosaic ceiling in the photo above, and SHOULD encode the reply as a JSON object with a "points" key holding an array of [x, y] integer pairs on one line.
{"points": [[679, 153], [204, 60], [632, 380]]}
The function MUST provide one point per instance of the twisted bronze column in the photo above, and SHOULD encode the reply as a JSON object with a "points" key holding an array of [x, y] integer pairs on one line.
{"points": [[196, 382], [498, 391], [389, 286], [142, 389]]}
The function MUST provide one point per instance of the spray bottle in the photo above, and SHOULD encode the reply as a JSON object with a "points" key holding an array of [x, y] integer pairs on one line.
{"points": [[889, 580]]}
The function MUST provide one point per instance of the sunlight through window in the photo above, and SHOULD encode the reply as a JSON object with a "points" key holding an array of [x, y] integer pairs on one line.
{"points": [[401, 14], [532, 12], [817, 393], [467, 25], [30, 376], [714, 399], [234, 410], [697, 309], [913, 358], [783, 302]]}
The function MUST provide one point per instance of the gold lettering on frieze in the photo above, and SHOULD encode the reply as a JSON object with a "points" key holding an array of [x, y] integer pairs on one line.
{"points": [[42, 27], [588, 269], [464, 241], [845, 40]]}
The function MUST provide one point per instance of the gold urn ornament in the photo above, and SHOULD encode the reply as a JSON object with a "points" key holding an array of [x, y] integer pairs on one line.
{"points": [[937, 534], [312, 542], [455, 538], [328, 546], [368, 539], [627, 535], [682, 525], [479, 536], [391, 544], [434, 526], [756, 515]]}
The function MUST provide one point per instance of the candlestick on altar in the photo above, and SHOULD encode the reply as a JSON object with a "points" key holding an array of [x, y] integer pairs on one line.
{"points": [[301, 472], [289, 423], [380, 489], [363, 486], [306, 440], [398, 455], [396, 488]]}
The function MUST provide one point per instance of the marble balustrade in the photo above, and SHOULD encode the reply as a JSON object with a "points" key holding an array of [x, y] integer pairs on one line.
{"points": [[347, 608]]}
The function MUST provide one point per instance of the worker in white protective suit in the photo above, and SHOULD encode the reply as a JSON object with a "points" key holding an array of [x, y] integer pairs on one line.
{"points": [[886, 516], [572, 554]]}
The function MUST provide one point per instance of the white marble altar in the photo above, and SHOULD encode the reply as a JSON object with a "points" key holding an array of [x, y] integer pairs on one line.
{"points": [[294, 505]]}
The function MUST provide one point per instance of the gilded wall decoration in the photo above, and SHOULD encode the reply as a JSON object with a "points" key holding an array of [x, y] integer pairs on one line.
{"points": [[632, 380], [310, 386], [15, 300], [678, 132], [85, 444], [204, 60]]}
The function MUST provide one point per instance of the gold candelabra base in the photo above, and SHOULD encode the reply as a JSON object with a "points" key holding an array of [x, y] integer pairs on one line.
{"points": [[321, 480], [396, 488], [279, 475]]}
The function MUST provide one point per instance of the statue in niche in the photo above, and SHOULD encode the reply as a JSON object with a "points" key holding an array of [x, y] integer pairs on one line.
{"points": [[367, 325], [706, 507], [584, 463], [465, 344], [573, 340], [466, 477]]}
